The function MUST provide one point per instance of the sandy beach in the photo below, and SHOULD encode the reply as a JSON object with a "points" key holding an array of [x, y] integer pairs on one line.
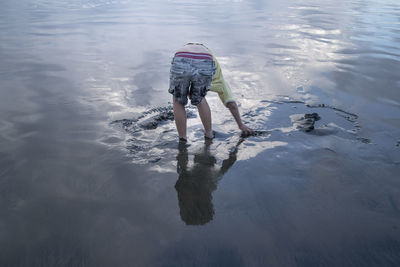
{"points": [[91, 171]]}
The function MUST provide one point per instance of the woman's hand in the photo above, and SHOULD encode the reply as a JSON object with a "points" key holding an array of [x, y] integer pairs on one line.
{"points": [[245, 130]]}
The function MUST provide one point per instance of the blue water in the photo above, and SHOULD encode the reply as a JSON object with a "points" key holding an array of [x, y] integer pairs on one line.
{"points": [[85, 182]]}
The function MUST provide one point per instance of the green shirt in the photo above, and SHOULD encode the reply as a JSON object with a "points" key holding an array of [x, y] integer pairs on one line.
{"points": [[220, 86]]}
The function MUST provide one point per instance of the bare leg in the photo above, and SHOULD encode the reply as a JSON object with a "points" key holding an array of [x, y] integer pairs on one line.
{"points": [[205, 116], [180, 118]]}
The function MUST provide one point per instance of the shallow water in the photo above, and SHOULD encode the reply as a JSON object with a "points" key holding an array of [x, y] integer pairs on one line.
{"points": [[91, 173]]}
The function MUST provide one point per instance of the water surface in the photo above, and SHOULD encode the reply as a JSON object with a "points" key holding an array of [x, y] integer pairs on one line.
{"points": [[91, 173]]}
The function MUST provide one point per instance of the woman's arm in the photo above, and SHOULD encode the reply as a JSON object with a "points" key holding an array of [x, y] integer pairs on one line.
{"points": [[233, 108]]}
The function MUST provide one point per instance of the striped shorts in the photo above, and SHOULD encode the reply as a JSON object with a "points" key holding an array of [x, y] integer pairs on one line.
{"points": [[190, 76]]}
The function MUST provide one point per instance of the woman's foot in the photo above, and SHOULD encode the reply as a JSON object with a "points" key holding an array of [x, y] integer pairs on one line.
{"points": [[209, 135]]}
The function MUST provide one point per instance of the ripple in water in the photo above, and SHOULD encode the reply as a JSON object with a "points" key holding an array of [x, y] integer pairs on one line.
{"points": [[152, 137]]}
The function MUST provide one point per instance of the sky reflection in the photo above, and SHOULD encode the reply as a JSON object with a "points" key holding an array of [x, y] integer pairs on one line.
{"points": [[77, 188]]}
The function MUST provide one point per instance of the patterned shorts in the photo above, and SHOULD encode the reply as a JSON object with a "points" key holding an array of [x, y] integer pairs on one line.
{"points": [[191, 78]]}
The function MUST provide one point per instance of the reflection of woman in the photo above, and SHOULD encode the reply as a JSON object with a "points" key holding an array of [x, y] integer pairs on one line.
{"points": [[195, 184]]}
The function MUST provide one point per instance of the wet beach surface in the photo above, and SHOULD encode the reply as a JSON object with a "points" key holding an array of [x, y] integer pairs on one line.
{"points": [[91, 173]]}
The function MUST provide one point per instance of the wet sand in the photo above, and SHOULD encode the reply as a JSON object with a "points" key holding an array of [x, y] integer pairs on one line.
{"points": [[91, 171]]}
